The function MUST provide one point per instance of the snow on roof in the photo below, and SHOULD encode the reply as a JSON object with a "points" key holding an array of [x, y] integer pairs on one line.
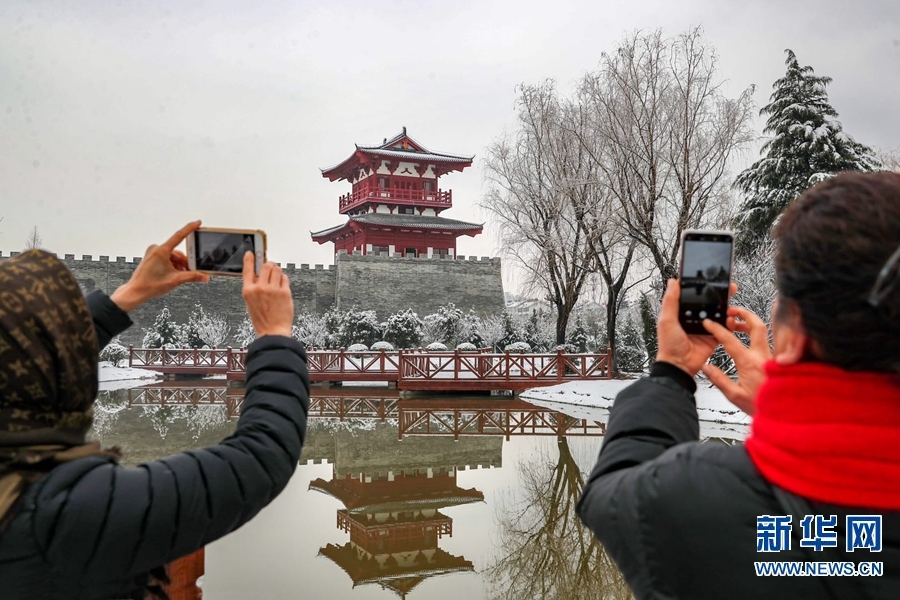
{"points": [[414, 221]]}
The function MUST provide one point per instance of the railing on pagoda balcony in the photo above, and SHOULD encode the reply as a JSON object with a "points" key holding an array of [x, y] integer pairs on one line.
{"points": [[438, 199]]}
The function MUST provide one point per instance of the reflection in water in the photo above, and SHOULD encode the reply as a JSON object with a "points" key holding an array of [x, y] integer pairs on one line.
{"points": [[394, 467], [544, 550], [393, 492]]}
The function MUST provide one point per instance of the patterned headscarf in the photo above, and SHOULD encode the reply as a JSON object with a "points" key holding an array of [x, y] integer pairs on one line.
{"points": [[48, 370]]}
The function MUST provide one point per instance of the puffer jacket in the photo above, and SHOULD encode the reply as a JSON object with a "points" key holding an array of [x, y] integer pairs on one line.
{"points": [[93, 529], [679, 517]]}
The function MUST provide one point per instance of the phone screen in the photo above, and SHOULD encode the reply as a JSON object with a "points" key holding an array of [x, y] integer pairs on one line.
{"points": [[705, 278], [222, 251]]}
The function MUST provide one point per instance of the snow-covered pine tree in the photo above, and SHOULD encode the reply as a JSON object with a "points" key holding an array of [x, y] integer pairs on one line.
{"points": [[808, 145], [163, 332], [190, 331]]}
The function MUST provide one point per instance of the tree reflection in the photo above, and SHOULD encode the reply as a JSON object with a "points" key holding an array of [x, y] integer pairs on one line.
{"points": [[544, 550]]}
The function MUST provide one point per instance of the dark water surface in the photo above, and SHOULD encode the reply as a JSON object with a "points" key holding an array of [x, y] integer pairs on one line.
{"points": [[426, 498]]}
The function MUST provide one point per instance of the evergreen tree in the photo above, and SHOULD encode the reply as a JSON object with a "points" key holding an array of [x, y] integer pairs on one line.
{"points": [[403, 329], [163, 332], [808, 145]]}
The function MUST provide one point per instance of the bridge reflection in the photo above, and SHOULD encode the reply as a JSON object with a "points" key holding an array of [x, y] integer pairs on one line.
{"points": [[454, 417]]}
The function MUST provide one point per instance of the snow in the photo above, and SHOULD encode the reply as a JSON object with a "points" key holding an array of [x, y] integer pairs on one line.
{"points": [[120, 378], [712, 406]]}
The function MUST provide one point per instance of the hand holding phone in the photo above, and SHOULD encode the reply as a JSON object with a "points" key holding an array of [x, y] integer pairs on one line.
{"points": [[705, 278], [221, 251]]}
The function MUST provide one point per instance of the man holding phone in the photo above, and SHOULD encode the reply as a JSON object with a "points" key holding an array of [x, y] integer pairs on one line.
{"points": [[809, 506]]}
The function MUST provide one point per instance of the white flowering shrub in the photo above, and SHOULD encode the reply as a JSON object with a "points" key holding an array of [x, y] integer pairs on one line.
{"points": [[386, 346]]}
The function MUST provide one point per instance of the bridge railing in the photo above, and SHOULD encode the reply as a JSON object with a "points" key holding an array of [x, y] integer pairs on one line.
{"points": [[405, 365], [200, 358], [503, 367]]}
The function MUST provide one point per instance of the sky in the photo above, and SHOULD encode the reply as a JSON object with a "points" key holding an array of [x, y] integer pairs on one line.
{"points": [[121, 121]]}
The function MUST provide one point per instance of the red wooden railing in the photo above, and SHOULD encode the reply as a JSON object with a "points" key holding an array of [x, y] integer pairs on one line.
{"points": [[409, 369], [187, 360], [436, 198]]}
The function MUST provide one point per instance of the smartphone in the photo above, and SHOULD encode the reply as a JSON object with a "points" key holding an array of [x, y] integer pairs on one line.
{"points": [[221, 251], [707, 260]]}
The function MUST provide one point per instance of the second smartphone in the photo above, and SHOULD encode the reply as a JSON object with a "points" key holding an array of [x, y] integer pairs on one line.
{"points": [[707, 259]]}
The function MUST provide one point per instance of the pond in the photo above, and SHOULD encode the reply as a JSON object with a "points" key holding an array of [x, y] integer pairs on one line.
{"points": [[423, 498]]}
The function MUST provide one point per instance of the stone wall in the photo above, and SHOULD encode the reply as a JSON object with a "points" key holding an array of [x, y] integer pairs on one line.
{"points": [[381, 283], [386, 284]]}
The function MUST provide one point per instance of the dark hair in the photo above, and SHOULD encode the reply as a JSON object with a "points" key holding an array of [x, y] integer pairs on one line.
{"points": [[832, 242]]}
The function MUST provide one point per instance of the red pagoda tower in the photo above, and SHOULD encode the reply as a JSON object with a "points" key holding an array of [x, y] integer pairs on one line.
{"points": [[395, 204], [394, 525]]}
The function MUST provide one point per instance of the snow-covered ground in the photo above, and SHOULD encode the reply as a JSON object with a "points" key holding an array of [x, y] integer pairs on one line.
{"points": [[117, 378], [712, 405]]}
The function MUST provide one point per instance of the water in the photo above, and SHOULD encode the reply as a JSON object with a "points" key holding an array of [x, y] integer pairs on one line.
{"points": [[369, 515]]}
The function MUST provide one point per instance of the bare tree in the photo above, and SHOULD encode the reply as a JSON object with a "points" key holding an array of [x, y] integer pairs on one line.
{"points": [[212, 330], [544, 550], [34, 239], [540, 197], [890, 159], [668, 136]]}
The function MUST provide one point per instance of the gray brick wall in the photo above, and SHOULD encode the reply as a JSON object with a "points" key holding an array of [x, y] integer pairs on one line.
{"points": [[385, 284]]}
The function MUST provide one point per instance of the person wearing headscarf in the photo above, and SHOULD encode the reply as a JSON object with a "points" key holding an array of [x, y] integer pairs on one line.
{"points": [[73, 522]]}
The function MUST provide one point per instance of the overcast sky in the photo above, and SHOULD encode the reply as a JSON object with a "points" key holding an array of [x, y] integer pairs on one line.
{"points": [[120, 121]]}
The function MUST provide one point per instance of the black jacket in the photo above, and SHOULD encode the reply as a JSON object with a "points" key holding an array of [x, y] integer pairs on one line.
{"points": [[679, 516], [93, 529]]}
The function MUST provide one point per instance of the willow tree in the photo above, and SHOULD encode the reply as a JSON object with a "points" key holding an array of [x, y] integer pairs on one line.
{"points": [[541, 194]]}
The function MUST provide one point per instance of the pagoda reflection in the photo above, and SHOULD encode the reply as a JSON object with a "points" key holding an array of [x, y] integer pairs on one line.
{"points": [[393, 493]]}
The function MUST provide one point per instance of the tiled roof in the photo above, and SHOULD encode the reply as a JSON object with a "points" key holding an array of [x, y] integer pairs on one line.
{"points": [[396, 220], [423, 221], [415, 156]]}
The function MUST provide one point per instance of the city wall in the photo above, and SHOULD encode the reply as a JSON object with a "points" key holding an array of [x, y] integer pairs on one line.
{"points": [[381, 283]]}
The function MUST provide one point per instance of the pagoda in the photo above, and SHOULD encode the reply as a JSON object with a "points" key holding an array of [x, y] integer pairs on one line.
{"points": [[394, 522], [395, 204]]}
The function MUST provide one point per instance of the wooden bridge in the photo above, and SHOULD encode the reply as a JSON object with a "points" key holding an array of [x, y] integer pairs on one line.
{"points": [[406, 370], [446, 417]]}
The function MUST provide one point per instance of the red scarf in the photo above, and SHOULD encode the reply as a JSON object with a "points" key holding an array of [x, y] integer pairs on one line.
{"points": [[829, 435]]}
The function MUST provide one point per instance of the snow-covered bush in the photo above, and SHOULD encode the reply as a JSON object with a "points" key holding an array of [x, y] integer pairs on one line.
{"points": [[114, 352], [491, 330], [432, 330], [358, 348], [450, 321], [403, 329], [467, 347], [567, 348], [471, 326], [436, 347], [519, 347], [163, 332], [246, 333], [352, 327], [189, 333], [386, 346], [631, 352], [312, 330], [212, 330]]}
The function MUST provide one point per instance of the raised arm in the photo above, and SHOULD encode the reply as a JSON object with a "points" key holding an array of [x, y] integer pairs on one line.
{"points": [[103, 519]]}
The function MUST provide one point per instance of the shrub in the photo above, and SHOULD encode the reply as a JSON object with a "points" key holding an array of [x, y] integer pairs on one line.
{"points": [[519, 347], [114, 352], [387, 347], [436, 347], [358, 348], [467, 347]]}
